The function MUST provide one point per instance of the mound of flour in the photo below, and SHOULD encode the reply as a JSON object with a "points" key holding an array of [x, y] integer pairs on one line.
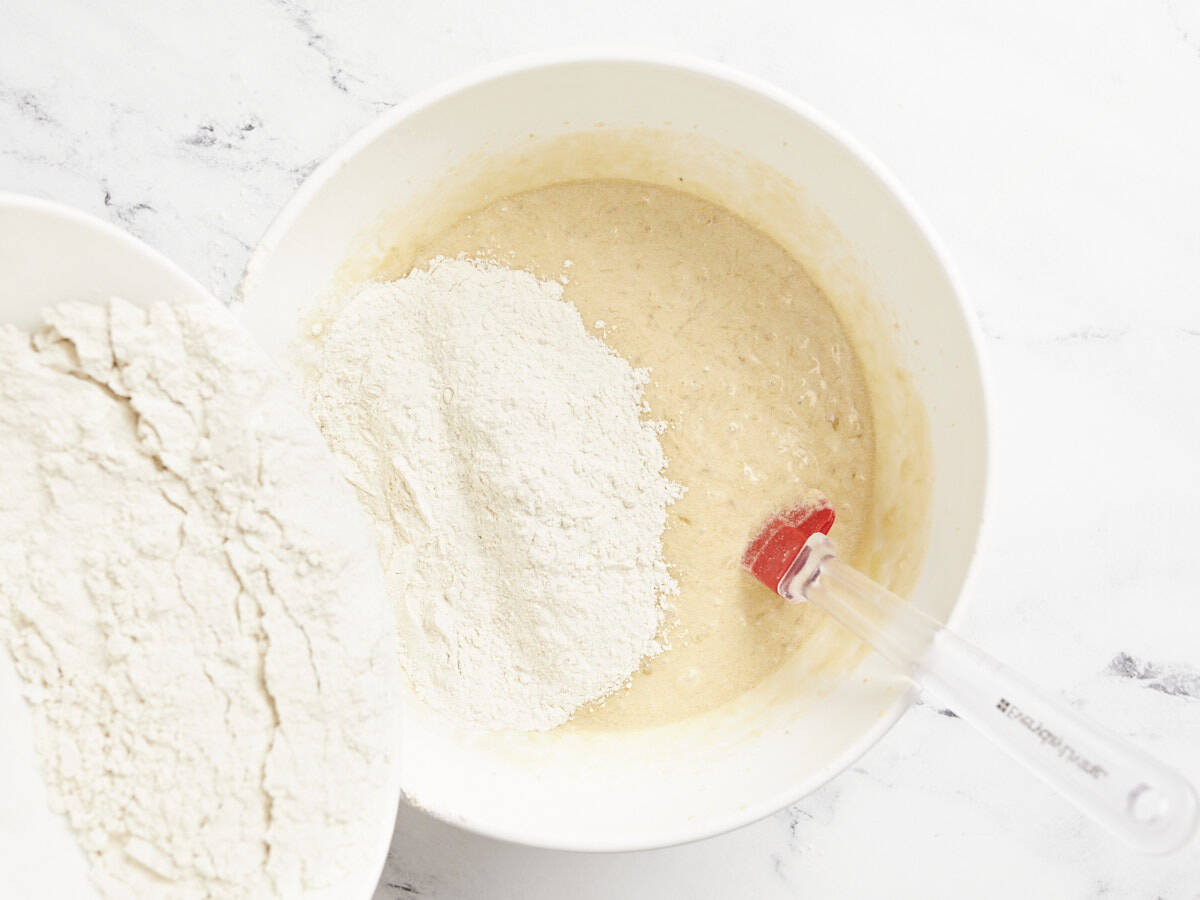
{"points": [[516, 487], [190, 597]]}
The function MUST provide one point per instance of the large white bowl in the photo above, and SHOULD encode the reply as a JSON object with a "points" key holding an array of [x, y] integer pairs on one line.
{"points": [[51, 254], [718, 771]]}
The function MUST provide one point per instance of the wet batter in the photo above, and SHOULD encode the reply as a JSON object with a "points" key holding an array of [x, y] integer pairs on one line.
{"points": [[752, 370]]}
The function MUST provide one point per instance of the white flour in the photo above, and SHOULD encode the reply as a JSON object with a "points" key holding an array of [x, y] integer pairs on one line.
{"points": [[517, 492], [188, 594]]}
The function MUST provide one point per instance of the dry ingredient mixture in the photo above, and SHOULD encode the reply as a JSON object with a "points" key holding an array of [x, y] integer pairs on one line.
{"points": [[188, 596], [762, 393], [515, 484]]}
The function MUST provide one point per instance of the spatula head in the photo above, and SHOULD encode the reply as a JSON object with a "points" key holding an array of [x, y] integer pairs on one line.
{"points": [[779, 541]]}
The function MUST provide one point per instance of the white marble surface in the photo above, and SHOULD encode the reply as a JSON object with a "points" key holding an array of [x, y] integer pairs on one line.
{"points": [[1055, 146]]}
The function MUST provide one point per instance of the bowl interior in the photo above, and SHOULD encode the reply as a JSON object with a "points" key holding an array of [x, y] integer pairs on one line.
{"points": [[859, 238]]}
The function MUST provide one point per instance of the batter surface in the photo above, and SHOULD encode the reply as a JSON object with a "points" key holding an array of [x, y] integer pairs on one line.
{"points": [[753, 372]]}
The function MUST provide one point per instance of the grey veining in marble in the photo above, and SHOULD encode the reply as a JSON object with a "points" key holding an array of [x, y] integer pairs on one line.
{"points": [[1056, 148]]}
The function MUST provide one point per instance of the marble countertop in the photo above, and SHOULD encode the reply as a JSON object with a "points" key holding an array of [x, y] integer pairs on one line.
{"points": [[1055, 147]]}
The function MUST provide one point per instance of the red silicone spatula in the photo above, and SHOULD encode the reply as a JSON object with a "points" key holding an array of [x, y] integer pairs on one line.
{"points": [[1149, 805]]}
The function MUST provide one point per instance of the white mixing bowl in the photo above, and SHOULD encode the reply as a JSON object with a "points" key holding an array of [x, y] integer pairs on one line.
{"points": [[708, 774], [51, 254]]}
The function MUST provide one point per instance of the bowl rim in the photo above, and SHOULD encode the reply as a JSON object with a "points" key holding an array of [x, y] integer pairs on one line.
{"points": [[28, 203], [693, 65]]}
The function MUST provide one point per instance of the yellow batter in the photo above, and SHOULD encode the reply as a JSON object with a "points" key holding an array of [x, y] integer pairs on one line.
{"points": [[753, 372]]}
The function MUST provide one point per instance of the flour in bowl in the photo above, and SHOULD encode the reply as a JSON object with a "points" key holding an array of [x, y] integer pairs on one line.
{"points": [[191, 600], [516, 486]]}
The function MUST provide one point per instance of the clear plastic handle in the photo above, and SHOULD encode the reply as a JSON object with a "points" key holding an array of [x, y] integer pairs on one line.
{"points": [[1147, 804]]}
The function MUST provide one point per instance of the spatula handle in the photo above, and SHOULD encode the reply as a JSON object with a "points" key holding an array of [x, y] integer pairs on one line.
{"points": [[1151, 806]]}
